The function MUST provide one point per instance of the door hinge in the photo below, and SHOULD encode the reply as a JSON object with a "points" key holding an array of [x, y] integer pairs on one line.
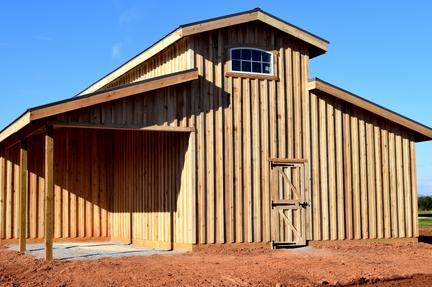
{"points": [[275, 204]]}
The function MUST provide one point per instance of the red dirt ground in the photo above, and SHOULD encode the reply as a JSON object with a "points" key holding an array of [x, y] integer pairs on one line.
{"points": [[340, 264]]}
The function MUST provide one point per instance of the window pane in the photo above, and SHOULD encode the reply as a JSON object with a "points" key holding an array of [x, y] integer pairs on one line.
{"points": [[266, 68], [246, 66], [251, 61], [246, 54], [235, 65], [256, 55], [235, 54], [266, 57], [256, 67]]}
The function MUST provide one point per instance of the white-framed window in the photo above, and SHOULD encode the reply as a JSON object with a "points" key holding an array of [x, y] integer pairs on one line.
{"points": [[251, 61]]}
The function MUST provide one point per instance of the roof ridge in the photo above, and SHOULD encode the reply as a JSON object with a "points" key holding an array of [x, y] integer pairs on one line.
{"points": [[318, 45], [220, 17]]}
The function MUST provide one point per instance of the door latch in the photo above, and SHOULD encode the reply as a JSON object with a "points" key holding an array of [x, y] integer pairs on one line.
{"points": [[304, 204]]}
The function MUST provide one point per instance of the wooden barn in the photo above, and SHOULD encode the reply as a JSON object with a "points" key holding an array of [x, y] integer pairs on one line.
{"points": [[214, 134]]}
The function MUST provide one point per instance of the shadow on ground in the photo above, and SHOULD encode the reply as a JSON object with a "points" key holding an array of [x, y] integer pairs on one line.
{"points": [[91, 250], [425, 239]]}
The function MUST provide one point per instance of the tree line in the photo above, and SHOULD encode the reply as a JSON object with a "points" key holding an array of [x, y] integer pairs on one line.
{"points": [[425, 202]]}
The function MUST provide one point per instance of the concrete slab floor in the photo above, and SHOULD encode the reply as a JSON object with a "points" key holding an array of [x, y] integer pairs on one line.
{"points": [[92, 250]]}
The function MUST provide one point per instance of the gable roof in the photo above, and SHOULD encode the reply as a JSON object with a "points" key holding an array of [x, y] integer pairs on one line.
{"points": [[95, 98], [423, 132], [317, 45]]}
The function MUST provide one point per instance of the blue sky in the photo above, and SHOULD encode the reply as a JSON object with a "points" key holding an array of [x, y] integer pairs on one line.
{"points": [[380, 50]]}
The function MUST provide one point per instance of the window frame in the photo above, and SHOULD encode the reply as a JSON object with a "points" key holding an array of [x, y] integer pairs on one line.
{"points": [[270, 53], [233, 74]]}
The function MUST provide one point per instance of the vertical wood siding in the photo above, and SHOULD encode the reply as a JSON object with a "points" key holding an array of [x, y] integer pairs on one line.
{"points": [[172, 59], [363, 174], [101, 178], [151, 184], [80, 190], [152, 174], [241, 123], [165, 107]]}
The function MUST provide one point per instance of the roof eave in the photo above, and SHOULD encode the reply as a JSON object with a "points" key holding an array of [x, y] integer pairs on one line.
{"points": [[317, 45], [422, 132], [74, 103]]}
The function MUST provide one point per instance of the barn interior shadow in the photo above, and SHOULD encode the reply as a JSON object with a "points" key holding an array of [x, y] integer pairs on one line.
{"points": [[117, 171], [125, 173], [425, 239]]}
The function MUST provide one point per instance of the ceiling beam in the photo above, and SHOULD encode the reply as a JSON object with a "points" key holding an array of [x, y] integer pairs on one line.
{"points": [[128, 127]]}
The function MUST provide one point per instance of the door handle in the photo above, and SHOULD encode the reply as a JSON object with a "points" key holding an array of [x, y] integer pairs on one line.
{"points": [[304, 204]]}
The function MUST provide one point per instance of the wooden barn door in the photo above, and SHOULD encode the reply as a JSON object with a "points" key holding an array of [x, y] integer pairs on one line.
{"points": [[288, 203]]}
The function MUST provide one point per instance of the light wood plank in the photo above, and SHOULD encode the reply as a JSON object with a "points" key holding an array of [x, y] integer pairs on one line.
{"points": [[49, 193], [407, 185], [2, 194], [371, 181], [386, 182], [9, 200], [324, 170], [363, 179], [348, 182], [23, 195], [331, 157], [316, 201], [414, 188], [400, 187], [339, 172], [355, 176], [378, 180], [393, 186]]}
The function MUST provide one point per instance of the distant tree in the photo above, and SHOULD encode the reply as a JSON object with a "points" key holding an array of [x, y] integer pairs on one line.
{"points": [[425, 202]]}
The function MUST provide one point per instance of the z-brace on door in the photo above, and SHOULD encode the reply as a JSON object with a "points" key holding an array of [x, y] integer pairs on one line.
{"points": [[288, 203]]}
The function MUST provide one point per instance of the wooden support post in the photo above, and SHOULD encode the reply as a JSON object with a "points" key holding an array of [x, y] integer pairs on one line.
{"points": [[2, 192], [273, 196], [49, 193], [23, 196]]}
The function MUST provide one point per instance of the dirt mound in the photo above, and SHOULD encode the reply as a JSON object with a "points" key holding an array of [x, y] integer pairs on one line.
{"points": [[377, 264], [418, 280]]}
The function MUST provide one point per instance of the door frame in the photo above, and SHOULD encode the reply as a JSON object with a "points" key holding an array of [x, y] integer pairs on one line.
{"points": [[278, 205]]}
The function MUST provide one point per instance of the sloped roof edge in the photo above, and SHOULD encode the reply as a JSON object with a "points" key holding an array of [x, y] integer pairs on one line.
{"points": [[54, 108], [423, 132], [319, 45]]}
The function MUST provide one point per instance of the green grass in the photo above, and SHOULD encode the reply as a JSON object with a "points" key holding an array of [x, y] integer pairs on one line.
{"points": [[425, 212], [425, 222]]}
